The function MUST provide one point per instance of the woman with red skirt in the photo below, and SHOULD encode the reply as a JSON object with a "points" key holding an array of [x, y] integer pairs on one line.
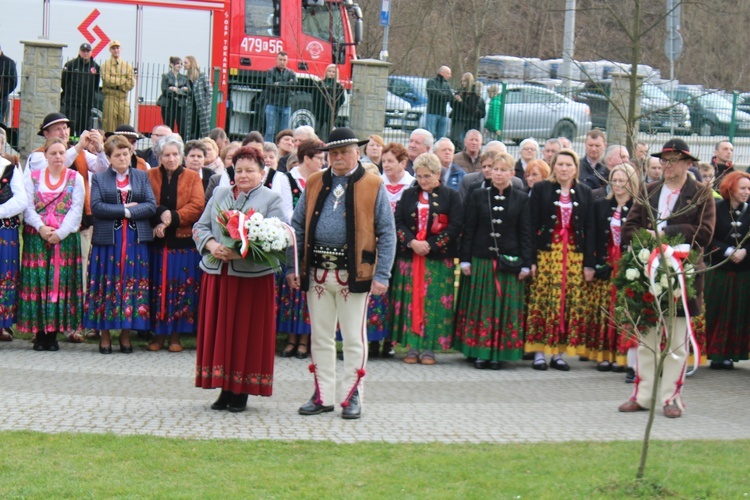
{"points": [[237, 308]]}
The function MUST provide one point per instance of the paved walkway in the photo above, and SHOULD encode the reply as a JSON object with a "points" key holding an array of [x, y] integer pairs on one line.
{"points": [[79, 390]]}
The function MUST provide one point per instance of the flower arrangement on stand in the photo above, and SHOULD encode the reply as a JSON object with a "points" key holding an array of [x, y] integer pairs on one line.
{"points": [[262, 240]]}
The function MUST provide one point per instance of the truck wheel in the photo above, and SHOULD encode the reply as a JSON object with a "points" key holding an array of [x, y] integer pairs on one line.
{"points": [[565, 128], [301, 112]]}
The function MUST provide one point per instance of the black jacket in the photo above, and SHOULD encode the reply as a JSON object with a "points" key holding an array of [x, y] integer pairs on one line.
{"points": [[603, 211], [279, 83], [731, 227], [594, 176], [512, 225], [439, 94], [544, 216], [80, 81], [327, 93], [8, 76], [443, 201]]}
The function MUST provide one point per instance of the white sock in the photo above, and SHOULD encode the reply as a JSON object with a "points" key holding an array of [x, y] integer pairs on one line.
{"points": [[632, 357], [538, 355]]}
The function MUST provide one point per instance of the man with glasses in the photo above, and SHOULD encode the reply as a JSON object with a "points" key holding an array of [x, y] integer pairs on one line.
{"points": [[148, 154], [681, 206], [118, 78], [346, 238], [80, 84]]}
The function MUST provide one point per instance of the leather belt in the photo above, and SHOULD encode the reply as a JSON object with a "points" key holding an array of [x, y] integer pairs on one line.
{"points": [[329, 257]]}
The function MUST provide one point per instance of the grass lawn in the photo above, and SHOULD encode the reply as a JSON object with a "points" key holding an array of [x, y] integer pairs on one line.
{"points": [[79, 465]]}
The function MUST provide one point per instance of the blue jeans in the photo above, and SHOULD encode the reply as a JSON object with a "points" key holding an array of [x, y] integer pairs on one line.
{"points": [[436, 124], [277, 119]]}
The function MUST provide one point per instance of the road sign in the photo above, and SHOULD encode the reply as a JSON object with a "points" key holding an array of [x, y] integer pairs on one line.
{"points": [[385, 13], [673, 45]]}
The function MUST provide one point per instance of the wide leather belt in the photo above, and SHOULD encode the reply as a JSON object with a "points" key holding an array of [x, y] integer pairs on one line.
{"points": [[329, 257]]}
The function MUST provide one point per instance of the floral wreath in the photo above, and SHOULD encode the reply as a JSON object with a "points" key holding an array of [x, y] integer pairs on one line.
{"points": [[646, 283]]}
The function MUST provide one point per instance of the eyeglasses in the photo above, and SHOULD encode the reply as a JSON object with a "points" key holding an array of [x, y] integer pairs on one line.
{"points": [[670, 161]]}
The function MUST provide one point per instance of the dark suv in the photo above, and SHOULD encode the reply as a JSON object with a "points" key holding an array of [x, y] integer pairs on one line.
{"points": [[659, 113]]}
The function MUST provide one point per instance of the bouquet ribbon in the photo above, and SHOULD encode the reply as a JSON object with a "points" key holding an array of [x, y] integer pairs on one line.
{"points": [[675, 255]]}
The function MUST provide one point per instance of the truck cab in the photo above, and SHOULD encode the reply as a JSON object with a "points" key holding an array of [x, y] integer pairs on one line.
{"points": [[313, 33]]}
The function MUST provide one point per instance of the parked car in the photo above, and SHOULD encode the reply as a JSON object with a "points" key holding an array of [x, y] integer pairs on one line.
{"points": [[658, 111], [534, 111], [408, 102], [711, 113]]}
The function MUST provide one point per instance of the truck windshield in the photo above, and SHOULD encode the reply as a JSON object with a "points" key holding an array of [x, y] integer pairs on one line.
{"points": [[324, 22], [262, 17]]}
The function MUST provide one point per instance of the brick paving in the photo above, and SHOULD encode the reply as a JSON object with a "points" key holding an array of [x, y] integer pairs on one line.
{"points": [[79, 390]]}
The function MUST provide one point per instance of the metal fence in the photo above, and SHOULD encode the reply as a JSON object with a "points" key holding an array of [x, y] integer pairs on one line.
{"points": [[503, 110], [514, 110]]}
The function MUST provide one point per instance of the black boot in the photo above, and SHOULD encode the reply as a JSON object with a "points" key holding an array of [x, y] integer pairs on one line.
{"points": [[238, 403], [52, 344], [40, 341], [353, 410], [312, 407], [223, 401]]}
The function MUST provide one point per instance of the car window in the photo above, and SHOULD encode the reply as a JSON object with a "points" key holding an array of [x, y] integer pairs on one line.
{"points": [[514, 96]]}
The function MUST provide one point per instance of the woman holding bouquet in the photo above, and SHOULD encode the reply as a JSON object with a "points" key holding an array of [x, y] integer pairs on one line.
{"points": [[174, 260], [429, 218], [563, 244], [495, 259], [237, 326]]}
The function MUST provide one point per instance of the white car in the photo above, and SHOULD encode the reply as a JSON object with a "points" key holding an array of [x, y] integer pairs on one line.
{"points": [[532, 111]]}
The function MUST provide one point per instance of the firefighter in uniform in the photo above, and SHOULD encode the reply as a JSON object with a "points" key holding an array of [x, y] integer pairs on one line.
{"points": [[80, 84], [118, 78]]}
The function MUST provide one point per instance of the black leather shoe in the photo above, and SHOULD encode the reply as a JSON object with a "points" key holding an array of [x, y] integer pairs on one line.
{"points": [[353, 410], [126, 349], [223, 401], [40, 342], [495, 365], [313, 408], [388, 351], [539, 364], [480, 364], [604, 366], [289, 353], [630, 376], [52, 344], [302, 354], [237, 403], [105, 350], [559, 364]]}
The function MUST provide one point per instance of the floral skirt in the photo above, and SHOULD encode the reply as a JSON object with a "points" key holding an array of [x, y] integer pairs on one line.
{"points": [[118, 292], [377, 315], [236, 334], [9, 276], [727, 315], [44, 306], [292, 315], [555, 326], [490, 325], [438, 304], [174, 309]]}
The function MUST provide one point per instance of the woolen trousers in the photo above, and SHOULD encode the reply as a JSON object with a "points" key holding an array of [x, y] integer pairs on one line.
{"points": [[673, 374], [330, 304]]}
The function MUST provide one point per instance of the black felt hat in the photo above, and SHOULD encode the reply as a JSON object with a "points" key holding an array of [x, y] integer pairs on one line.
{"points": [[340, 137], [52, 119], [676, 146], [127, 131]]}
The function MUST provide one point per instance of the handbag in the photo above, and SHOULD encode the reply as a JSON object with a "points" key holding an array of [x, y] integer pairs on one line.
{"points": [[509, 264], [6, 193], [603, 271]]}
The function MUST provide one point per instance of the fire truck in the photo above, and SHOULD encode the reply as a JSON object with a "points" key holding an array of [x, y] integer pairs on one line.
{"points": [[234, 41]]}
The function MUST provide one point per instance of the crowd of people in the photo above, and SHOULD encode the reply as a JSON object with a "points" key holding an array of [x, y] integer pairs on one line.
{"points": [[421, 246]]}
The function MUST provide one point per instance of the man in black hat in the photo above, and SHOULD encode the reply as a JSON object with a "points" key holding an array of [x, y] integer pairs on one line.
{"points": [[80, 84], [58, 125], [680, 205], [346, 245]]}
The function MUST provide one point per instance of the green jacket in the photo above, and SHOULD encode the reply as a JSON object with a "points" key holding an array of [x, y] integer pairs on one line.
{"points": [[492, 123]]}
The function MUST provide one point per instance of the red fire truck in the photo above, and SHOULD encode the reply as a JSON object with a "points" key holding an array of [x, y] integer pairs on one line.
{"points": [[234, 41]]}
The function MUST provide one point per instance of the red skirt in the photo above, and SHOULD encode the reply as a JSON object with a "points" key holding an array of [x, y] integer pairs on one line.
{"points": [[236, 334]]}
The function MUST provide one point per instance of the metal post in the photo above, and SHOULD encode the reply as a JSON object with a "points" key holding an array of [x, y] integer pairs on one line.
{"points": [[568, 43], [733, 123], [501, 118], [384, 53]]}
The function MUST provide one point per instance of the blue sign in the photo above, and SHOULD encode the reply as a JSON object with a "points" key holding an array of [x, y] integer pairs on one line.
{"points": [[385, 13]]}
